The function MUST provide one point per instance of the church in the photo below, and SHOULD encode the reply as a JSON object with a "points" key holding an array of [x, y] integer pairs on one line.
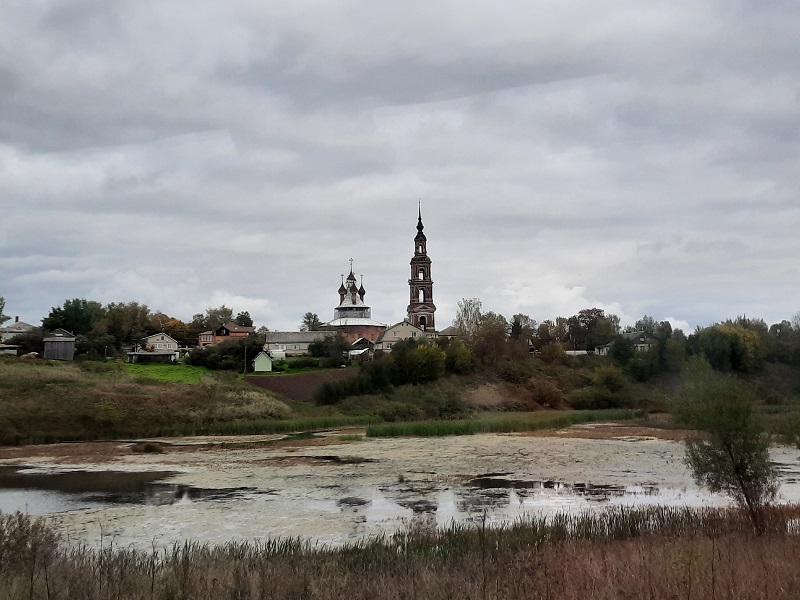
{"points": [[353, 317]]}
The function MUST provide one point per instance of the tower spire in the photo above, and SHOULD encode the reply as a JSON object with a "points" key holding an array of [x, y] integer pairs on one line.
{"points": [[421, 308]]}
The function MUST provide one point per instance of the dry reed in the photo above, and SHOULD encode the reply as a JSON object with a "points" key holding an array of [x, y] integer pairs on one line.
{"points": [[622, 553]]}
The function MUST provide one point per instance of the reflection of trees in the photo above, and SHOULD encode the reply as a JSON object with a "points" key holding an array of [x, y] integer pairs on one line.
{"points": [[476, 500]]}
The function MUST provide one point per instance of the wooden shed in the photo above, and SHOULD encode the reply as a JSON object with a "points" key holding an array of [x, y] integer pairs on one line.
{"points": [[59, 345]]}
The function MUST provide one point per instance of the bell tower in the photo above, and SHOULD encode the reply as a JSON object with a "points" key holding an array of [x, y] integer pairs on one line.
{"points": [[421, 307]]}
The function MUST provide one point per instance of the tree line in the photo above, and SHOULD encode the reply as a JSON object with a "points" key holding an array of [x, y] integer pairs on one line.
{"points": [[742, 344], [104, 330]]}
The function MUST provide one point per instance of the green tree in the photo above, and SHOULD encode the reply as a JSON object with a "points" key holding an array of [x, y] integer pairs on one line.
{"points": [[523, 327], [310, 322], [458, 358], [3, 317], [216, 317], [730, 454], [489, 342], [646, 323], [622, 350], [332, 348], [78, 316], [127, 322], [728, 347], [244, 319]]}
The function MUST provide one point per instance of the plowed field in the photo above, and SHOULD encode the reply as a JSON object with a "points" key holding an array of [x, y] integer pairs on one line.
{"points": [[301, 387]]}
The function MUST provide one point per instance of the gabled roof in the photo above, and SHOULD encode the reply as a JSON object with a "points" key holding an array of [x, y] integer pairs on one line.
{"points": [[395, 326], [634, 335], [235, 327], [296, 337], [17, 327], [166, 337], [59, 335]]}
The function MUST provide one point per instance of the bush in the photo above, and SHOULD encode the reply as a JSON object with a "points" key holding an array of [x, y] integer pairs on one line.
{"points": [[304, 363], [545, 392], [610, 378], [595, 398], [515, 371], [554, 354]]}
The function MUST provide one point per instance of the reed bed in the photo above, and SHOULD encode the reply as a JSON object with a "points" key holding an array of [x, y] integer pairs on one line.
{"points": [[265, 426], [500, 423], [621, 553]]}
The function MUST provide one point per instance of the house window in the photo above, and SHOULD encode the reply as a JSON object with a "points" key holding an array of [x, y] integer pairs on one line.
{"points": [[413, 334], [169, 345], [159, 345], [396, 334]]}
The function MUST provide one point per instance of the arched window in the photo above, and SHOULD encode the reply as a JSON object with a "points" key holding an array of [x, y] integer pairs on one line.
{"points": [[421, 295], [423, 322], [421, 274]]}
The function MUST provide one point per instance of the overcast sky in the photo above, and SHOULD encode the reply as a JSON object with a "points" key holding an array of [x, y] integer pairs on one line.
{"points": [[640, 157]]}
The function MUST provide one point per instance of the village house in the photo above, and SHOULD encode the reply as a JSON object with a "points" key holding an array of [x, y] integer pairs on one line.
{"points": [[292, 343], [224, 332], [642, 341], [16, 328], [401, 331], [158, 347]]}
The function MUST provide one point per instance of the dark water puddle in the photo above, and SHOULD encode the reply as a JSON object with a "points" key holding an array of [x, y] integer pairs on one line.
{"points": [[495, 481], [59, 491]]}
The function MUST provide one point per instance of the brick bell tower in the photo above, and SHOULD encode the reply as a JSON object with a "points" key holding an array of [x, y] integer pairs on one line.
{"points": [[421, 307]]}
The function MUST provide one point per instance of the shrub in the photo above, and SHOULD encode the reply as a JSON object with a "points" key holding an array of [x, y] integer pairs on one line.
{"points": [[515, 371], [545, 392], [554, 353], [610, 378]]}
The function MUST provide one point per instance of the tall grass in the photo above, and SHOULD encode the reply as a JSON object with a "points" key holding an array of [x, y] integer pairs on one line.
{"points": [[499, 423], [655, 553], [288, 425]]}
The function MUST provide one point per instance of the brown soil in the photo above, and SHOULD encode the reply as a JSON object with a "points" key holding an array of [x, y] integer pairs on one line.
{"points": [[301, 387]]}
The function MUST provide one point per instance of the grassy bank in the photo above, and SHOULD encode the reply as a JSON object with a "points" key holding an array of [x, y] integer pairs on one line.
{"points": [[500, 423], [46, 401], [655, 553]]}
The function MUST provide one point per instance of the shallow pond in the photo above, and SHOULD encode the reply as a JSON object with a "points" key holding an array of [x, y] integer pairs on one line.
{"points": [[331, 495]]}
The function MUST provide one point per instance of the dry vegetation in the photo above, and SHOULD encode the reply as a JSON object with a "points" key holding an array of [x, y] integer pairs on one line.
{"points": [[48, 402], [654, 553]]}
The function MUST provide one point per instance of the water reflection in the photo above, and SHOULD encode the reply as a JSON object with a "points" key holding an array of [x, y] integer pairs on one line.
{"points": [[41, 492]]}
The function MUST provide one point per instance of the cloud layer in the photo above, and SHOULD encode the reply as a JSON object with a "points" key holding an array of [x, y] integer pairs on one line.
{"points": [[638, 157]]}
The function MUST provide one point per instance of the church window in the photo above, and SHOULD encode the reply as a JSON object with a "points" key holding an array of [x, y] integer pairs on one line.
{"points": [[421, 295], [421, 274]]}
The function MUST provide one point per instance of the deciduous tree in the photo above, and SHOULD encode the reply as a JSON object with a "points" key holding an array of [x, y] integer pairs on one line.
{"points": [[468, 318], [311, 322], [731, 452], [244, 319], [77, 316]]}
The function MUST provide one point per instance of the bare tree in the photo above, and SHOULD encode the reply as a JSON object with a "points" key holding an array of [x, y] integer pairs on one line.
{"points": [[468, 318]]}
